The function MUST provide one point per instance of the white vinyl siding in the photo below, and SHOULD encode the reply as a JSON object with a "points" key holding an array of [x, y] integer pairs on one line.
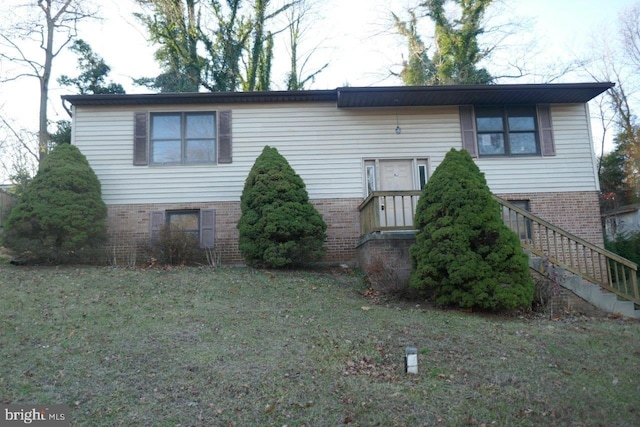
{"points": [[325, 145]]}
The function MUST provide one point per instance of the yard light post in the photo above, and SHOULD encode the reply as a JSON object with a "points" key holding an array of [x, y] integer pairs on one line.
{"points": [[411, 360]]}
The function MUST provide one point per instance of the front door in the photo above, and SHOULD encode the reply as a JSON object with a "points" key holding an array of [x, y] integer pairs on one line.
{"points": [[396, 175]]}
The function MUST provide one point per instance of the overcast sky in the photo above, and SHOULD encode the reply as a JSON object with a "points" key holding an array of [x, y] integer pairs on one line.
{"points": [[354, 36]]}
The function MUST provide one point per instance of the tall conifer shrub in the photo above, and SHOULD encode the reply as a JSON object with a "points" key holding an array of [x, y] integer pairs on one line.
{"points": [[60, 213], [279, 227], [463, 251]]}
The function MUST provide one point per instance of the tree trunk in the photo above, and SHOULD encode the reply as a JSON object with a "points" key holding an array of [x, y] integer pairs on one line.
{"points": [[43, 133]]}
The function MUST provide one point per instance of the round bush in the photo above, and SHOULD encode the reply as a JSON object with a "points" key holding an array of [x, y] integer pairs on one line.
{"points": [[60, 213]]}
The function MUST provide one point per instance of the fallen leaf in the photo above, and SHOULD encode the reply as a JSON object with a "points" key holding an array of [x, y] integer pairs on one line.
{"points": [[365, 308], [269, 409]]}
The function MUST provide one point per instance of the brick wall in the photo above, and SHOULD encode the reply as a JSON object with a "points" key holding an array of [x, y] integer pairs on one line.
{"points": [[343, 228], [129, 226], [129, 229], [385, 259], [575, 212]]}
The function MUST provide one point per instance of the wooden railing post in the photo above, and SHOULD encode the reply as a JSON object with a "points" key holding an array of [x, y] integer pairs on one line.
{"points": [[383, 211], [541, 238], [619, 276]]}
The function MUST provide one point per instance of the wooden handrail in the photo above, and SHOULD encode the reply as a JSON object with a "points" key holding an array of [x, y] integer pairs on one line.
{"points": [[597, 265], [384, 211]]}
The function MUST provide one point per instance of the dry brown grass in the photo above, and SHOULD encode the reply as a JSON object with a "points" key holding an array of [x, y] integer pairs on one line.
{"points": [[242, 347]]}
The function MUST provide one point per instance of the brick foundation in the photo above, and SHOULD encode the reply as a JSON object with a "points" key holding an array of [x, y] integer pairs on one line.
{"points": [[385, 259], [129, 229]]}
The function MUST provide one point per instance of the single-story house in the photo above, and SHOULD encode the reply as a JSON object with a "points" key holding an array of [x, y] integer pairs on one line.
{"points": [[184, 157], [622, 220]]}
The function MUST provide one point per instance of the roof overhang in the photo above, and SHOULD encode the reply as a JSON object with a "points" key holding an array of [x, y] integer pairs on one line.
{"points": [[371, 97], [416, 96], [203, 98]]}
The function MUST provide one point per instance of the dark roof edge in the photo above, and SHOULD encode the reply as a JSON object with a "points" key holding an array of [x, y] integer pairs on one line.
{"points": [[506, 94], [353, 96], [478, 88], [202, 98]]}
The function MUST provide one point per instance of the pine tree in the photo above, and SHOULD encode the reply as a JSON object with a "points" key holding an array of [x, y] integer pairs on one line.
{"points": [[61, 211], [279, 227], [464, 252]]}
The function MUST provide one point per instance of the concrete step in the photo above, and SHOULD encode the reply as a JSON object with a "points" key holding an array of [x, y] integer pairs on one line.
{"points": [[572, 282], [586, 290], [600, 298]]}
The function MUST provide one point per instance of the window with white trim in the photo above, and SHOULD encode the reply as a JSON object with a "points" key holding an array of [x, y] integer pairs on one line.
{"points": [[182, 138]]}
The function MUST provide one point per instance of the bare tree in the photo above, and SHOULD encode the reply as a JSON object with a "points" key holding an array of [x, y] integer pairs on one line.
{"points": [[18, 154], [630, 34], [297, 76], [619, 170], [50, 26]]}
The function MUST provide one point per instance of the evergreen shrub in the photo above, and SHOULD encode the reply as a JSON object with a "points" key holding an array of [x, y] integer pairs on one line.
{"points": [[278, 227], [60, 216], [627, 245], [464, 253]]}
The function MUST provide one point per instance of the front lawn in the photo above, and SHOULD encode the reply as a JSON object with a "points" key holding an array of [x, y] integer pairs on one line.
{"points": [[244, 347]]}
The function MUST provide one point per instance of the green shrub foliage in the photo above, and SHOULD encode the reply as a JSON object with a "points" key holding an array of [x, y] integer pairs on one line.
{"points": [[279, 227], [627, 245], [464, 252], [60, 214]]}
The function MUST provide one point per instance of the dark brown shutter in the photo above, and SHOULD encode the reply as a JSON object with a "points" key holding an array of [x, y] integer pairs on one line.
{"points": [[468, 129], [140, 150], [157, 222], [207, 228], [547, 143], [225, 152]]}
